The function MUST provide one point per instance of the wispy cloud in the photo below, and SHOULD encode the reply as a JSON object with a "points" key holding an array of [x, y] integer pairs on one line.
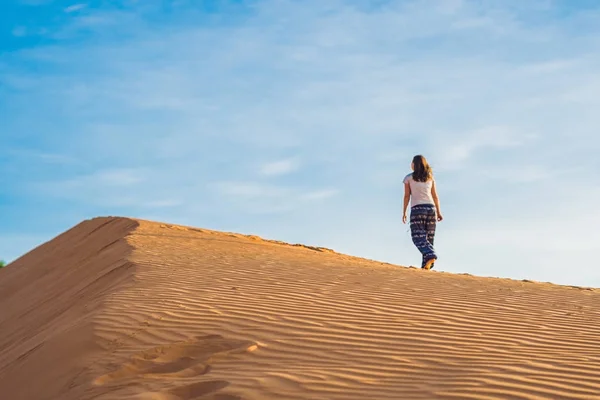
{"points": [[126, 187], [75, 7], [35, 156], [460, 148], [112, 177], [320, 194], [271, 199], [277, 168], [251, 190]]}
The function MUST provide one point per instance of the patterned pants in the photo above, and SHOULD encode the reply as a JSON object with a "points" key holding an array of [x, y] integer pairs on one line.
{"points": [[422, 229]]}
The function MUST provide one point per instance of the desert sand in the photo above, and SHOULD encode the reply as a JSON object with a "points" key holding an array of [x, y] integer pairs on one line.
{"points": [[117, 308]]}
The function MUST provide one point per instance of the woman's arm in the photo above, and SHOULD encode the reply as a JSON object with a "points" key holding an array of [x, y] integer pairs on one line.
{"points": [[436, 200], [406, 200]]}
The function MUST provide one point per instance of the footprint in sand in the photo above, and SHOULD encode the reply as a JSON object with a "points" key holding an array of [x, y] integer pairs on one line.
{"points": [[181, 360]]}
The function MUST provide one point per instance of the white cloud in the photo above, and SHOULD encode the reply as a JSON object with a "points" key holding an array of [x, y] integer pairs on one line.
{"points": [[524, 173], [454, 152], [258, 198], [30, 155], [75, 7], [115, 177], [103, 179], [166, 203], [320, 194], [277, 168], [251, 190], [113, 187]]}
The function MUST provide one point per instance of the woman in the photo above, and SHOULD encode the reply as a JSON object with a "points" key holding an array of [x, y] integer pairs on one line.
{"points": [[419, 189]]}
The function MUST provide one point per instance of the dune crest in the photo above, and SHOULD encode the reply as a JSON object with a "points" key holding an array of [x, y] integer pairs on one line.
{"points": [[117, 308]]}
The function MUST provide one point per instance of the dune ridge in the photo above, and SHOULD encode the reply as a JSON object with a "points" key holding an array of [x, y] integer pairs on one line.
{"points": [[117, 308]]}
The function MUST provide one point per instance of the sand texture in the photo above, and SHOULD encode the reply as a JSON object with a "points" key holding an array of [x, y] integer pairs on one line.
{"points": [[118, 308]]}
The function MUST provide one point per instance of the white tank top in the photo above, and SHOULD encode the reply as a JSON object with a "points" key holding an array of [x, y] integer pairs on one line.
{"points": [[420, 192]]}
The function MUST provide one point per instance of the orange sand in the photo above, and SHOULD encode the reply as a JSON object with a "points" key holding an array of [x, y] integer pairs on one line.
{"points": [[123, 309]]}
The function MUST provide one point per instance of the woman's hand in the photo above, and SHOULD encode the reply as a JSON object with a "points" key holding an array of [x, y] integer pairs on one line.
{"points": [[439, 216], [404, 218]]}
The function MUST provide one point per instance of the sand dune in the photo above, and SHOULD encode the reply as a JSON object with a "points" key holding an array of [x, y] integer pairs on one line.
{"points": [[123, 309]]}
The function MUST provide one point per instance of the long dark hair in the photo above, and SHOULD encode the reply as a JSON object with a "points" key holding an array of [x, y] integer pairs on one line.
{"points": [[422, 172]]}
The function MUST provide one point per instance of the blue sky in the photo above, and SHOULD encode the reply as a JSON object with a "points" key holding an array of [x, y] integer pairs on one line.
{"points": [[297, 120]]}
